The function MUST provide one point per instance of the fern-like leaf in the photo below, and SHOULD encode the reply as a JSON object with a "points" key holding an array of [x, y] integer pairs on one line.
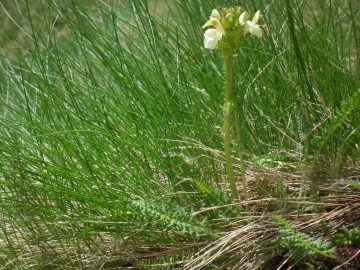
{"points": [[171, 217]]}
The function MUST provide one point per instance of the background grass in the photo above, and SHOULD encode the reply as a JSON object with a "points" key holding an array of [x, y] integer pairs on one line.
{"points": [[111, 114]]}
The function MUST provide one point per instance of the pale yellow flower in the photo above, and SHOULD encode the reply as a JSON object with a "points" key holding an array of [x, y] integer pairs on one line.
{"points": [[212, 36], [251, 26]]}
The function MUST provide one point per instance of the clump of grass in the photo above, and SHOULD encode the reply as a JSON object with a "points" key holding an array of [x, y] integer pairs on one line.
{"points": [[121, 105]]}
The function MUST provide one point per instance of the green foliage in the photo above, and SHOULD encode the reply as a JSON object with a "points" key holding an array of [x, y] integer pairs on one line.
{"points": [[212, 197], [171, 217], [347, 236], [354, 184], [300, 245], [109, 102], [169, 262], [339, 136], [280, 190]]}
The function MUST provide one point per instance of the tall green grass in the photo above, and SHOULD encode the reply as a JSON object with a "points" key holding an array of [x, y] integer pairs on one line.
{"points": [[111, 119]]}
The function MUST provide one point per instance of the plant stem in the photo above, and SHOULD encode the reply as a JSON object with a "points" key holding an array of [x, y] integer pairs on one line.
{"points": [[227, 111], [238, 131]]}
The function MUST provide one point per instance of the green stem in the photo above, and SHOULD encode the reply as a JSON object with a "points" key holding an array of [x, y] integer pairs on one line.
{"points": [[238, 131], [229, 95]]}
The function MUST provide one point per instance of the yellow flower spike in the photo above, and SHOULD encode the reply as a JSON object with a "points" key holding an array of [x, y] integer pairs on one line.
{"points": [[232, 23]]}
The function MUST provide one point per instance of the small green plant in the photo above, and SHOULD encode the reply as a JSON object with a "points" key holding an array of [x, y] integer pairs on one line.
{"points": [[301, 246], [169, 262], [170, 217], [347, 237], [347, 250], [354, 184], [212, 197], [340, 135]]}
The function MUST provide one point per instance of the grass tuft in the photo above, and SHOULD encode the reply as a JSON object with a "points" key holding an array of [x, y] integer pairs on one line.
{"points": [[111, 149]]}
